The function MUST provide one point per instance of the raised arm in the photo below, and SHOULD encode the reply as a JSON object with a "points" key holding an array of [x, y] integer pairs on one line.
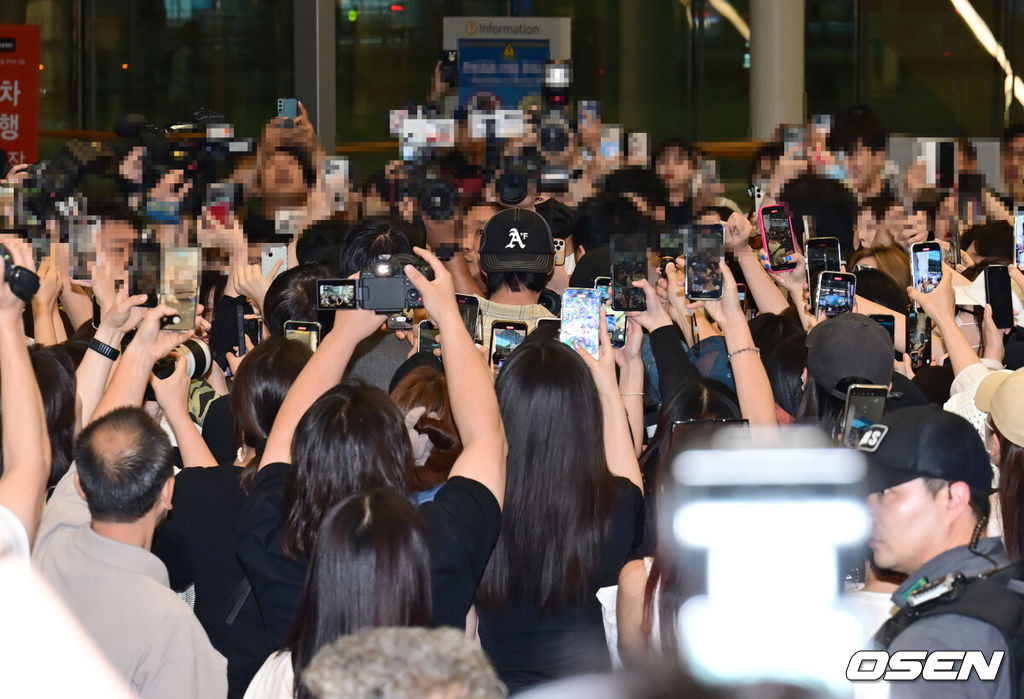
{"points": [[172, 396], [631, 382], [26, 445], [470, 390], [323, 371], [760, 283], [618, 446], [753, 389], [940, 305]]}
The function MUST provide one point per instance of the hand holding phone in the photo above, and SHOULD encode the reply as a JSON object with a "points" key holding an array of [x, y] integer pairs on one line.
{"points": [[629, 264], [835, 294], [705, 249], [777, 237], [581, 319], [865, 406], [926, 265], [505, 337], [999, 296]]}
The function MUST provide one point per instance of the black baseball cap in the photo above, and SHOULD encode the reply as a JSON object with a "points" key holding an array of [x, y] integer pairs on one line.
{"points": [[516, 240], [848, 345], [925, 442]]}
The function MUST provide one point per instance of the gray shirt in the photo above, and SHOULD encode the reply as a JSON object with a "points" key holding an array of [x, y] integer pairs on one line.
{"points": [[953, 631], [120, 594]]}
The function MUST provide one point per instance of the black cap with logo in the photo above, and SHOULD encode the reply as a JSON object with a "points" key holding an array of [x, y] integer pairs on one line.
{"points": [[925, 442], [516, 240]]}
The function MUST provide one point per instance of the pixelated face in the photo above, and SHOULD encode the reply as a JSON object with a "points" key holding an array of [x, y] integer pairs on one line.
{"points": [[907, 526], [865, 165], [867, 229], [674, 168], [1013, 162], [281, 175]]}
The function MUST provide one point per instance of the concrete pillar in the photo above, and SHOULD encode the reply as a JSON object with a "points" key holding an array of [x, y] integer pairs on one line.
{"points": [[776, 65], [315, 59]]}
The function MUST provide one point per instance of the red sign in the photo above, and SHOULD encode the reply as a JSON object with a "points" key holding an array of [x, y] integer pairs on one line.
{"points": [[19, 92]]}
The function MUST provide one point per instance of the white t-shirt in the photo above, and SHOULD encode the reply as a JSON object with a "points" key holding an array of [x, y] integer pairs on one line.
{"points": [[275, 680], [13, 537]]}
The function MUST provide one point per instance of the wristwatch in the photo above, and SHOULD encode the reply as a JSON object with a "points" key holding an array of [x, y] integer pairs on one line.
{"points": [[104, 349]]}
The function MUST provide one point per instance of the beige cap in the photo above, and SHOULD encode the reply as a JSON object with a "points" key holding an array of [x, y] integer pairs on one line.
{"points": [[1001, 394]]}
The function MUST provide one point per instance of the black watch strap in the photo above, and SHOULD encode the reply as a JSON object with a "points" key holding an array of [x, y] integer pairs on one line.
{"points": [[104, 349]]}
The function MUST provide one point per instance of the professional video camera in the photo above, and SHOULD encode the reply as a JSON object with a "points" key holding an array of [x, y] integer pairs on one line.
{"points": [[50, 183], [381, 287]]}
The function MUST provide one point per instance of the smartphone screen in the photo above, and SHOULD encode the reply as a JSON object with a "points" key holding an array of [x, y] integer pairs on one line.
{"points": [[887, 322], [334, 294], [505, 337], [144, 275], [705, 249], [427, 336], [629, 264], [581, 315], [179, 285], [305, 332], [1018, 238], [777, 236], [865, 406], [469, 309], [83, 237], [926, 265], [270, 253], [615, 320], [835, 293], [919, 338], [822, 255], [997, 295]]}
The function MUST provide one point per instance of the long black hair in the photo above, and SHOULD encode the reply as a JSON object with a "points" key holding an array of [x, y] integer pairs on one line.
{"points": [[352, 439], [551, 487], [370, 568]]}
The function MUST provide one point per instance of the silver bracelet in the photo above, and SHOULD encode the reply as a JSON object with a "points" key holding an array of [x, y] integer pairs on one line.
{"points": [[741, 351]]}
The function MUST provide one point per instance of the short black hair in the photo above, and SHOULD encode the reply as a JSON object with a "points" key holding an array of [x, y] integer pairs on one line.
{"points": [[1011, 133], [55, 374], [640, 181], [992, 241], [877, 286], [516, 281], [600, 217], [292, 296], [320, 242], [124, 459], [858, 124], [679, 144], [374, 236]]}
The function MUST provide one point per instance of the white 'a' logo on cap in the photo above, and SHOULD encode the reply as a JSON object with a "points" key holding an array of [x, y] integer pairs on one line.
{"points": [[516, 238]]}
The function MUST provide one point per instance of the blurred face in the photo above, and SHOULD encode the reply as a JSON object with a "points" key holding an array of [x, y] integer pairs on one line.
{"points": [[1013, 164], [472, 226], [865, 166], [867, 229], [674, 168], [907, 525], [115, 243], [281, 176]]}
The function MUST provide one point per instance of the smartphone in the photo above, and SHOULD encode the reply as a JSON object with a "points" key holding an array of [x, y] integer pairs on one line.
{"points": [[144, 276], [450, 68], [505, 337], [926, 265], [240, 331], [83, 237], [426, 336], [888, 323], [336, 174], [629, 264], [335, 294], [835, 293], [939, 156], [919, 338], [997, 295], [777, 236], [822, 255], [611, 142], [588, 111], [865, 406], [469, 309], [581, 318], [559, 251], [615, 320], [637, 147], [179, 285], [288, 107], [270, 253], [969, 186], [1018, 238], [544, 322], [220, 201], [305, 332], [704, 250], [286, 222]]}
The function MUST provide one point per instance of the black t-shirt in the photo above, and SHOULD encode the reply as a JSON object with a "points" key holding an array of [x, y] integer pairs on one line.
{"points": [[462, 525], [528, 647], [197, 544]]}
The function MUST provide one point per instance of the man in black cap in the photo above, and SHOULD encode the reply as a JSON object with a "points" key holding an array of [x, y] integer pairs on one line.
{"points": [[929, 479], [516, 258]]}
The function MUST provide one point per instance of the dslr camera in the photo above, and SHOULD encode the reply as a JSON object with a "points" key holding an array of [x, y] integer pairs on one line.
{"points": [[382, 287]]}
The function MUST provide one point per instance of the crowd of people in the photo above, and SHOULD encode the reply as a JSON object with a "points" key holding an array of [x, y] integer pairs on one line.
{"points": [[361, 517]]}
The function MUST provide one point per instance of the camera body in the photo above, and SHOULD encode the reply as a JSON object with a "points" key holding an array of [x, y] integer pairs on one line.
{"points": [[383, 286]]}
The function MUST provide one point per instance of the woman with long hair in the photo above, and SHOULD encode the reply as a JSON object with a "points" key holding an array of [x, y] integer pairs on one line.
{"points": [[370, 567], [573, 515], [999, 396]]}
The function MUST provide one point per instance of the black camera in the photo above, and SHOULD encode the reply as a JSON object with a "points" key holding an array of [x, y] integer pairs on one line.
{"points": [[553, 133], [438, 200], [24, 283], [383, 286]]}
